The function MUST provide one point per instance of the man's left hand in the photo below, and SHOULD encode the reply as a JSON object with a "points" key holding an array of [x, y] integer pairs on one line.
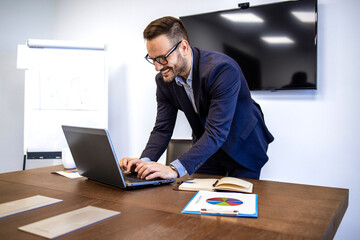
{"points": [[151, 170]]}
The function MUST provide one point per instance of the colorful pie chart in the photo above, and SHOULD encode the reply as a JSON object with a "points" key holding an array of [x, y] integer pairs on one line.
{"points": [[224, 201]]}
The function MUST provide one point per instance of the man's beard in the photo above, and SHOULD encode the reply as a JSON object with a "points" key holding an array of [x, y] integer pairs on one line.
{"points": [[175, 71]]}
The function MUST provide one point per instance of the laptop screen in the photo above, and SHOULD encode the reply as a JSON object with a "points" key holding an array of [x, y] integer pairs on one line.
{"points": [[94, 155]]}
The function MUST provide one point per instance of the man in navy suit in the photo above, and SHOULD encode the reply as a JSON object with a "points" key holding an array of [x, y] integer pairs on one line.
{"points": [[229, 133]]}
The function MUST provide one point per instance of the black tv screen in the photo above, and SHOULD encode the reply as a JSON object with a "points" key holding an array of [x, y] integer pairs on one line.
{"points": [[274, 44]]}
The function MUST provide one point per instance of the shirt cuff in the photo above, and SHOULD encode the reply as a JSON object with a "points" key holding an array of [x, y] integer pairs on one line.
{"points": [[146, 159], [179, 167]]}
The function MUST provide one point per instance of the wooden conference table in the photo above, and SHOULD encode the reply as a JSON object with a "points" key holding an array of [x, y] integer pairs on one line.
{"points": [[286, 211]]}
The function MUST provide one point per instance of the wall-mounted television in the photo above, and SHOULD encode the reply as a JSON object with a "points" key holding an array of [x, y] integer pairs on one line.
{"points": [[274, 44]]}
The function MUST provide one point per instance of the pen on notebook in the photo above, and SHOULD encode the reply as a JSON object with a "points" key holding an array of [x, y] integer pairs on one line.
{"points": [[214, 211], [215, 183]]}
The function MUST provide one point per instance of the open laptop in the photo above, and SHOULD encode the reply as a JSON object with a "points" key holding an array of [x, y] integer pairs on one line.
{"points": [[95, 158]]}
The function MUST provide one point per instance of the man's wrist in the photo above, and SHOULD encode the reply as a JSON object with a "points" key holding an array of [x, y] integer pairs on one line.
{"points": [[175, 170], [179, 167]]}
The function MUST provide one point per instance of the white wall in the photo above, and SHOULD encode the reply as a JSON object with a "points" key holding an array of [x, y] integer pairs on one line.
{"points": [[19, 20], [315, 132]]}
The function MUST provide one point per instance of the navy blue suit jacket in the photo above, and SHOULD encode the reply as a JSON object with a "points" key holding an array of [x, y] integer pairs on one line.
{"points": [[227, 118]]}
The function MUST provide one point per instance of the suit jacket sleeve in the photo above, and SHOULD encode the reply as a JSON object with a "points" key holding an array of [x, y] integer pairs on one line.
{"points": [[164, 125]]}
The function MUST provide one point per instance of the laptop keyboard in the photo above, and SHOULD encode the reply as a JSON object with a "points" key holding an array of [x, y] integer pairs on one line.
{"points": [[132, 177]]}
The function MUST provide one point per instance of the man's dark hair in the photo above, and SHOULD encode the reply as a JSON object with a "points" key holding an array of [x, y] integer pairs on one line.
{"points": [[174, 29]]}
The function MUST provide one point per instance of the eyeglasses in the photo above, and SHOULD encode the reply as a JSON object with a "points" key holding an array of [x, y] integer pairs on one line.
{"points": [[162, 59]]}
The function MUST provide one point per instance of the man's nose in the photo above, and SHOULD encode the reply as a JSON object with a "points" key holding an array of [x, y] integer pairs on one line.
{"points": [[158, 66]]}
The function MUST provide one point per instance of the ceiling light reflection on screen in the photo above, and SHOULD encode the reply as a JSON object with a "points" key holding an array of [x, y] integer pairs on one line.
{"points": [[278, 40], [242, 17], [306, 17]]}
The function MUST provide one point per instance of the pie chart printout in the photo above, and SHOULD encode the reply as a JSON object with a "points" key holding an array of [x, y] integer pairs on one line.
{"points": [[224, 201]]}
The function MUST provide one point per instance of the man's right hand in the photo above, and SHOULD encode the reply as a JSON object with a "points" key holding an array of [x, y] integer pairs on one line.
{"points": [[129, 164]]}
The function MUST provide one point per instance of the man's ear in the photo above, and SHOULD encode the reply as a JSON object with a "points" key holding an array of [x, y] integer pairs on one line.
{"points": [[185, 47]]}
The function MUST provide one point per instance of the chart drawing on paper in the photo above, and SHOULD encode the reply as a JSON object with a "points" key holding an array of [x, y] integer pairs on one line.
{"points": [[63, 86], [224, 201]]}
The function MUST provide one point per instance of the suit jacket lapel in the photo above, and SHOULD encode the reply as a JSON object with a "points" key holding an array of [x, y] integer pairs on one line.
{"points": [[196, 78]]}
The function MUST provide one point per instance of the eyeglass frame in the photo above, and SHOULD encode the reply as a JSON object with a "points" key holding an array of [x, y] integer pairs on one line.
{"points": [[151, 60]]}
